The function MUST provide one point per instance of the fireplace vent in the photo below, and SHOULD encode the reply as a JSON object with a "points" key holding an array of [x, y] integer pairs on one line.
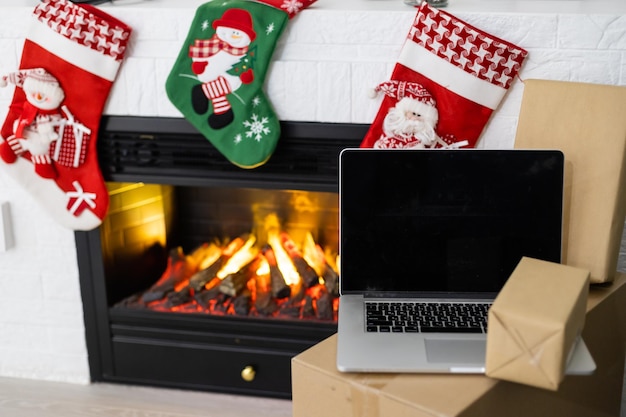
{"points": [[171, 151]]}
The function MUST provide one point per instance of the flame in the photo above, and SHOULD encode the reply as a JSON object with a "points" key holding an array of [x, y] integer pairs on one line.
{"points": [[313, 254], [242, 257], [334, 263], [212, 253], [286, 267], [290, 274], [264, 267]]}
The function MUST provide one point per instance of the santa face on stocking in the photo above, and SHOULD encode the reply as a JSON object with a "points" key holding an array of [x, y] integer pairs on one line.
{"points": [[214, 61], [411, 123], [37, 126]]}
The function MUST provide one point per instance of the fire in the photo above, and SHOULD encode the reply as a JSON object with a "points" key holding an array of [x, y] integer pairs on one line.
{"points": [[276, 278], [285, 265], [239, 259]]}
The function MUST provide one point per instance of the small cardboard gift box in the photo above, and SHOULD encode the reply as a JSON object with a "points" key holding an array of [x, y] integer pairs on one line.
{"points": [[535, 321], [586, 122]]}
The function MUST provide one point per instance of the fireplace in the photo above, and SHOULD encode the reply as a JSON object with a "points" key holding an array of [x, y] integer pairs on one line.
{"points": [[173, 195]]}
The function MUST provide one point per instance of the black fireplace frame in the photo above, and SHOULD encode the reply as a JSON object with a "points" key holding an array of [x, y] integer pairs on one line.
{"points": [[124, 345]]}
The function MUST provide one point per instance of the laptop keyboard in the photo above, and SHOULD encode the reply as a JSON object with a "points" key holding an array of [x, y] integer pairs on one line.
{"points": [[426, 317]]}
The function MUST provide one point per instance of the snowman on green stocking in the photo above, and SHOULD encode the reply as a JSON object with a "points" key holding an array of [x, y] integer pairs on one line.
{"points": [[213, 61]]}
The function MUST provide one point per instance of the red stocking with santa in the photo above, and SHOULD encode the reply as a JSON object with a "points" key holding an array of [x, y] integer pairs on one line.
{"points": [[70, 59], [448, 80]]}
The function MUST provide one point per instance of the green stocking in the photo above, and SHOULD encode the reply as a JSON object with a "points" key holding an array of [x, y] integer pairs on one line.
{"points": [[217, 80]]}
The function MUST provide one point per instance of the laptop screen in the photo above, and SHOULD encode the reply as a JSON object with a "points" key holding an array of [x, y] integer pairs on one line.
{"points": [[446, 221]]}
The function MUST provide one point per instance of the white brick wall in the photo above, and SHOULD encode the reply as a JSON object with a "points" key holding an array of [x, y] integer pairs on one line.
{"points": [[326, 62]]}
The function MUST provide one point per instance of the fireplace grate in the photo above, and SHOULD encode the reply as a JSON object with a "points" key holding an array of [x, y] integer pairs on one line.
{"points": [[305, 157]]}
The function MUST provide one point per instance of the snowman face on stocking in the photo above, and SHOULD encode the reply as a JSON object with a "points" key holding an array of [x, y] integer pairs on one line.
{"points": [[232, 36], [42, 94]]}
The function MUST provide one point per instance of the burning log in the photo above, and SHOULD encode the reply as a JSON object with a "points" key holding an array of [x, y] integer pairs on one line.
{"points": [[308, 310], [307, 273], [205, 296], [178, 269], [290, 310], [134, 302], [264, 303], [223, 303], [280, 289], [209, 271], [331, 280], [242, 303], [200, 278], [325, 306], [297, 293], [314, 255], [180, 297], [235, 284]]}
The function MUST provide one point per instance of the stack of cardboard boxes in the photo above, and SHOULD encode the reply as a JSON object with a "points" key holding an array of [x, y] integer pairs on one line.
{"points": [[586, 122]]}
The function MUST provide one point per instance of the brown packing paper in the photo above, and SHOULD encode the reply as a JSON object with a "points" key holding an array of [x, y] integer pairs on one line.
{"points": [[586, 122], [535, 321], [319, 389]]}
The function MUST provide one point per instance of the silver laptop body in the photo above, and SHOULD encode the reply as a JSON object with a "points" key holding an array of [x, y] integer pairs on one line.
{"points": [[442, 226]]}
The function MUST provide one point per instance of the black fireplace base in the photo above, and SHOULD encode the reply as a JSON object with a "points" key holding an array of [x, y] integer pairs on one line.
{"points": [[221, 354]]}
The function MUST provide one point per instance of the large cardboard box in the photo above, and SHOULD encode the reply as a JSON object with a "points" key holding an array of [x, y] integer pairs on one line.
{"points": [[319, 389], [586, 122], [535, 321]]}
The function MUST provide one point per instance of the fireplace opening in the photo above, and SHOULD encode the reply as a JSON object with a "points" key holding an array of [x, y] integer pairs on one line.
{"points": [[204, 275], [222, 251]]}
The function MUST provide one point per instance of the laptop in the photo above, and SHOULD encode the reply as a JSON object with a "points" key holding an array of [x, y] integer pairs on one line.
{"points": [[437, 231]]}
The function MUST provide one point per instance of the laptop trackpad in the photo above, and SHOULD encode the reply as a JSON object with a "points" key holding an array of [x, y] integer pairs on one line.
{"points": [[456, 351]]}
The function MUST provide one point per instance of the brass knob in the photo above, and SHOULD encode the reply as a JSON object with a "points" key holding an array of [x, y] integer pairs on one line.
{"points": [[248, 373]]}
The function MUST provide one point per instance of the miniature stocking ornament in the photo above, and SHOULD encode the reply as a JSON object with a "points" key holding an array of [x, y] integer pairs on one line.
{"points": [[70, 59], [217, 79], [463, 71]]}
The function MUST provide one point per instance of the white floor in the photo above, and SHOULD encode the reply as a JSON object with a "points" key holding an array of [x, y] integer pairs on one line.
{"points": [[28, 398]]}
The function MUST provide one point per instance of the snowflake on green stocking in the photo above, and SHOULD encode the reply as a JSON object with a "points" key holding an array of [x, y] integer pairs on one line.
{"points": [[257, 127]]}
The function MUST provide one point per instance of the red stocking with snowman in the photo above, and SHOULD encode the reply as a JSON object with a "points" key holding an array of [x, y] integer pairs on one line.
{"points": [[71, 56], [36, 127]]}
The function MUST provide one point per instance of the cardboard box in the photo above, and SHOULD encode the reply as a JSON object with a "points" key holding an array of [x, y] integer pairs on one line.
{"points": [[535, 321], [586, 122], [319, 389]]}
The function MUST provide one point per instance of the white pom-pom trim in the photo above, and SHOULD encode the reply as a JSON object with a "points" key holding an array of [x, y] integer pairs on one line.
{"points": [[3, 82], [372, 93]]}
